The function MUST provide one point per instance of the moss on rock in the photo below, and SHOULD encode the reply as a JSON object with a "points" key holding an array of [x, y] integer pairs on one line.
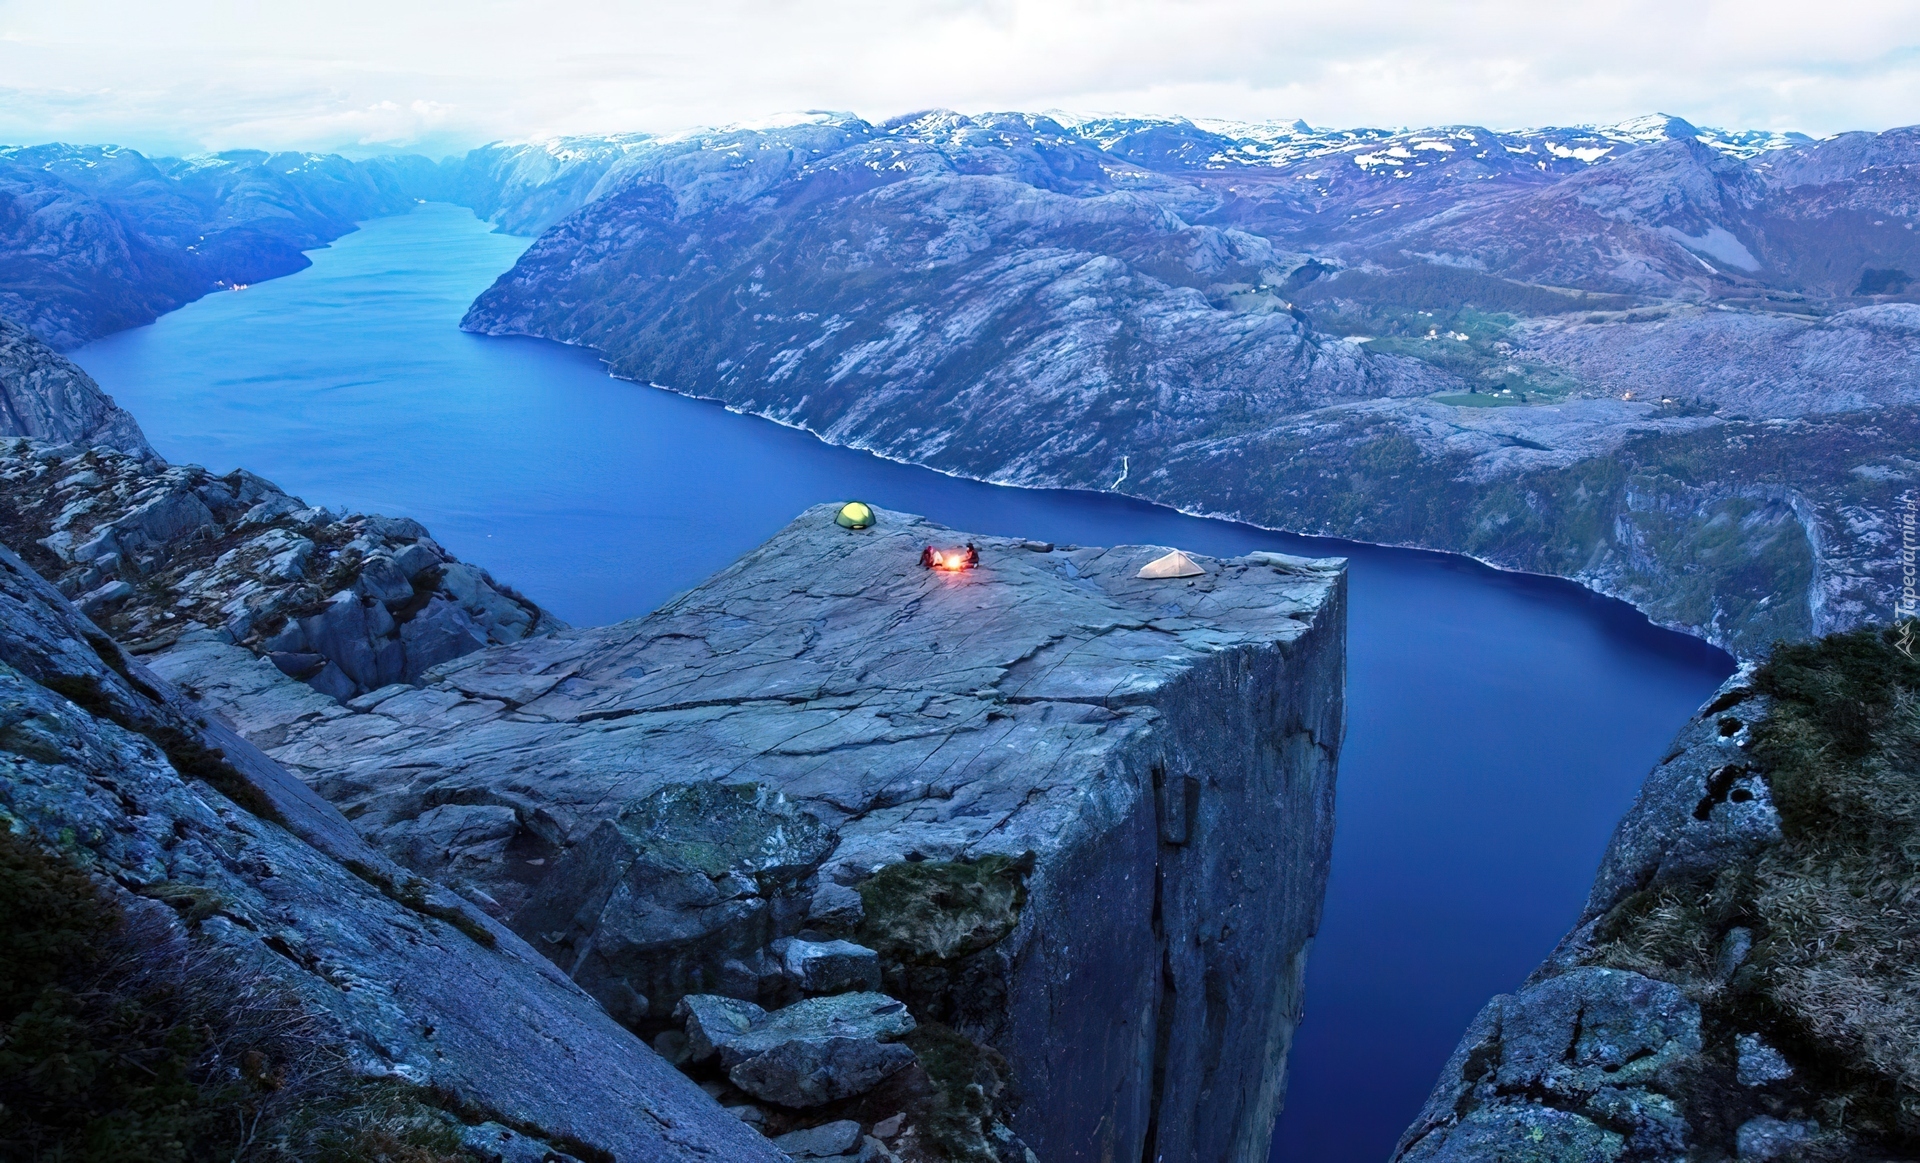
{"points": [[933, 912], [717, 828], [113, 1049]]}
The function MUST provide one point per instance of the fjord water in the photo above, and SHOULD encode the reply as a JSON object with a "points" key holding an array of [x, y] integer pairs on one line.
{"points": [[1498, 724]]}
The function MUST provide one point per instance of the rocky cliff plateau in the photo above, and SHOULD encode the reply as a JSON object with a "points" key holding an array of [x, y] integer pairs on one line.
{"points": [[1738, 986], [1674, 364], [1016, 862], [1076, 820]]}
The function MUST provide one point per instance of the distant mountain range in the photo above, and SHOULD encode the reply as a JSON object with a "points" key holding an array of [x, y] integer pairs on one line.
{"points": [[94, 239], [1676, 364]]}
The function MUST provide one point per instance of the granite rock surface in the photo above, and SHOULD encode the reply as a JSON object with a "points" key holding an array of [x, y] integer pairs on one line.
{"points": [[47, 397], [110, 764], [346, 602], [1082, 818]]}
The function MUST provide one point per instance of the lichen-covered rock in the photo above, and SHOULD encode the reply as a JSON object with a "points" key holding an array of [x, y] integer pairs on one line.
{"points": [[828, 966], [1606, 1047], [106, 762], [712, 1021], [1164, 750], [683, 891], [348, 603]]}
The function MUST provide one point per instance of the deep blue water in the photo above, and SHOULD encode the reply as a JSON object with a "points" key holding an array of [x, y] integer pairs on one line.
{"points": [[1498, 724]]}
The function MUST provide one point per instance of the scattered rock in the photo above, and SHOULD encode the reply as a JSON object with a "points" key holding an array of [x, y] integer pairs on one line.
{"points": [[713, 1021], [829, 966], [1760, 1063], [346, 603], [821, 1142], [820, 1050], [1765, 1137]]}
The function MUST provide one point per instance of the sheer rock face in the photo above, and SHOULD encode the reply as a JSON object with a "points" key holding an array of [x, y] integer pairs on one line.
{"points": [[1591, 1061], [346, 602], [46, 396], [1164, 749], [107, 761]]}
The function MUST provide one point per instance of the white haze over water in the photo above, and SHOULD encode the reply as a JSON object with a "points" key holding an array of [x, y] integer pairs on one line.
{"points": [[435, 76]]}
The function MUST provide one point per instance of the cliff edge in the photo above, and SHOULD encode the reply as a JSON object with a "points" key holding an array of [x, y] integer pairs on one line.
{"points": [[1740, 984], [45, 396], [1076, 819]]}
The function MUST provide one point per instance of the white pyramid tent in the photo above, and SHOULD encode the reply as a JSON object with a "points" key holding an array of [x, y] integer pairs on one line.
{"points": [[1175, 564]]}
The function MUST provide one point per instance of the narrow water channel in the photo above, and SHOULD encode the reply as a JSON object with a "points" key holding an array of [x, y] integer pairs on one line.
{"points": [[1498, 724]]}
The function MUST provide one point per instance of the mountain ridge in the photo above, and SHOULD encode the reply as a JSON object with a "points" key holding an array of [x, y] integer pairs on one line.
{"points": [[1008, 298]]}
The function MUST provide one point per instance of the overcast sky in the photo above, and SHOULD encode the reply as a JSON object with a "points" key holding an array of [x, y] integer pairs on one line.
{"points": [[363, 75]]}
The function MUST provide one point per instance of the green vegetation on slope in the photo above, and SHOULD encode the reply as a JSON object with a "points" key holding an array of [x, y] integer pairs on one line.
{"points": [[1832, 911], [116, 1047], [1456, 320]]}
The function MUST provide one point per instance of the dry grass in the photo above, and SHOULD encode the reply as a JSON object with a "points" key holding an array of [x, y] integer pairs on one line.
{"points": [[1834, 974]]}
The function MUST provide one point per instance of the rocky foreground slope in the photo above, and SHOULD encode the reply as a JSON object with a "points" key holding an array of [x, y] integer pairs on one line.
{"points": [[1740, 984], [237, 883], [1077, 821], [1675, 364]]}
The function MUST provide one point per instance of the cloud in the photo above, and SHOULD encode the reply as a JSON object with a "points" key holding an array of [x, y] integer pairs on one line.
{"points": [[434, 75]]}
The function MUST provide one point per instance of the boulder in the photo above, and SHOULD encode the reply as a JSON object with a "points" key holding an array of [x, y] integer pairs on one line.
{"points": [[384, 581], [682, 891], [822, 1142], [835, 908], [712, 1021], [820, 1050], [829, 966]]}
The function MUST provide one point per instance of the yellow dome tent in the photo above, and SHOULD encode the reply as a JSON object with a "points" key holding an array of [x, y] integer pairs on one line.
{"points": [[854, 515]]}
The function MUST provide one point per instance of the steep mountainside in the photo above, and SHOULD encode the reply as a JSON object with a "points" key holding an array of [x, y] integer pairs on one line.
{"points": [[1553, 349], [371, 997], [94, 239], [46, 397], [1740, 983]]}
